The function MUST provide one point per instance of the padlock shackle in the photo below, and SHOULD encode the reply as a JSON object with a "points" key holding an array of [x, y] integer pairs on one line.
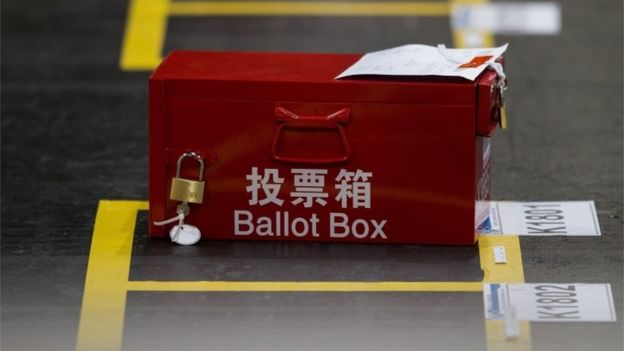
{"points": [[197, 157]]}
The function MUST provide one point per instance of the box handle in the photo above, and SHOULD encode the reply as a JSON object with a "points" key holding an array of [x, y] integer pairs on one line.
{"points": [[290, 120]]}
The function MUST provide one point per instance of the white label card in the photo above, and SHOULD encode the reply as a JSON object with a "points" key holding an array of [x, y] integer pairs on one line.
{"points": [[550, 302], [568, 218], [424, 60], [536, 18]]}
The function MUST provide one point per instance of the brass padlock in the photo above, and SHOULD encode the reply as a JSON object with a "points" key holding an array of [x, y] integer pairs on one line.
{"points": [[186, 190]]}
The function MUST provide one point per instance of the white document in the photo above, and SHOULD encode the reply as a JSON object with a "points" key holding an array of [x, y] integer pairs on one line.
{"points": [[533, 18], [567, 218], [423, 60], [548, 302]]}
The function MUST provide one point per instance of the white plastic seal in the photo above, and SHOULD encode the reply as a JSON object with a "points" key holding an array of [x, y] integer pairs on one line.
{"points": [[185, 234], [182, 234]]}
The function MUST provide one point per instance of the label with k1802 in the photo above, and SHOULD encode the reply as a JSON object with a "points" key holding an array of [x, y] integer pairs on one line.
{"points": [[550, 302], [573, 218]]}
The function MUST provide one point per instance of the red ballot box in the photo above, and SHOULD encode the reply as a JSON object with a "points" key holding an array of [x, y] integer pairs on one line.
{"points": [[290, 153]]}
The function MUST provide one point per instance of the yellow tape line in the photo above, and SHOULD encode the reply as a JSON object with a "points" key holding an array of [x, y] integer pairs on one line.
{"points": [[465, 38], [146, 24], [309, 8], [144, 35], [510, 272], [104, 298], [294, 286], [106, 286]]}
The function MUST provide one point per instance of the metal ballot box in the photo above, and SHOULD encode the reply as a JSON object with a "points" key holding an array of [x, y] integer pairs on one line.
{"points": [[290, 153]]}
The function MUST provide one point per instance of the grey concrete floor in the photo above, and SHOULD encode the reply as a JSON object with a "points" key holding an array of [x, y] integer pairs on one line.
{"points": [[74, 131]]}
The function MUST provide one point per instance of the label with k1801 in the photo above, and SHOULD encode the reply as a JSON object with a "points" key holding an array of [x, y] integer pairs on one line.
{"points": [[550, 302], [573, 218]]}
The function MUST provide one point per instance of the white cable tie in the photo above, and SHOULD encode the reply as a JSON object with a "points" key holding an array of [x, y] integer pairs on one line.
{"points": [[498, 68], [179, 217]]}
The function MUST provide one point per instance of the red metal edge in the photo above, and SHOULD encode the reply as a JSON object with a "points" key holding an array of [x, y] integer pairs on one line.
{"points": [[156, 157], [486, 117]]}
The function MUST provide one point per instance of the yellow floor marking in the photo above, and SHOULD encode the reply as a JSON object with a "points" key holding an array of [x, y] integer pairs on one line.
{"points": [[309, 8], [107, 284], [146, 24], [510, 272], [466, 38], [104, 299], [307, 286], [144, 35]]}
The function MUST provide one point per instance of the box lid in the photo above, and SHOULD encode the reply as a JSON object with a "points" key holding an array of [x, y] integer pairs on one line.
{"points": [[299, 77]]}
